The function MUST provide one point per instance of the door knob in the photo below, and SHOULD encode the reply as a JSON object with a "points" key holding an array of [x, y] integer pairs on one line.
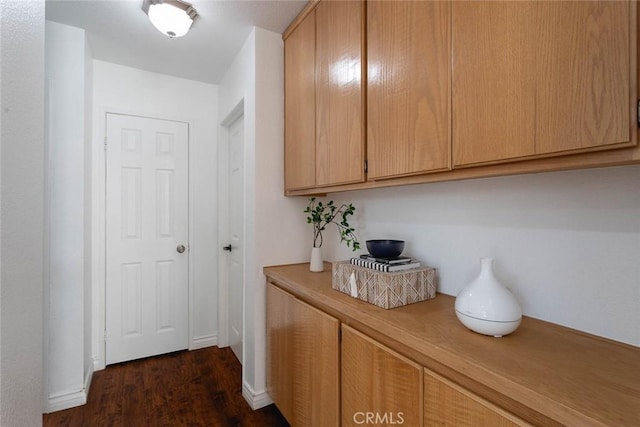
{"points": [[180, 249], [227, 248]]}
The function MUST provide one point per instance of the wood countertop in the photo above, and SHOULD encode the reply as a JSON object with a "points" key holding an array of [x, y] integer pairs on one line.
{"points": [[545, 373]]}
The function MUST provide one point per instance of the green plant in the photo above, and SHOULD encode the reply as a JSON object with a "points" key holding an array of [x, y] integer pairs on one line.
{"points": [[321, 215]]}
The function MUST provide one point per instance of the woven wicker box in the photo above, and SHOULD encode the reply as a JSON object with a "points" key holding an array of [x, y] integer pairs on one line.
{"points": [[386, 290]]}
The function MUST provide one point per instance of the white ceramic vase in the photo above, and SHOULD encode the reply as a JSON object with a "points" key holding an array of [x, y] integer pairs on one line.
{"points": [[486, 306], [316, 265]]}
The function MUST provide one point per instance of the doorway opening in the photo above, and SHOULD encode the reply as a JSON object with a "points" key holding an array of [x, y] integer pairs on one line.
{"points": [[231, 231]]}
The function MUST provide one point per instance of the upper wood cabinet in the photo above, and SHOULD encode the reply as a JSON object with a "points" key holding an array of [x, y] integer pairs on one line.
{"points": [[324, 97], [541, 78], [300, 105], [424, 91], [339, 92], [408, 87], [376, 380], [302, 361]]}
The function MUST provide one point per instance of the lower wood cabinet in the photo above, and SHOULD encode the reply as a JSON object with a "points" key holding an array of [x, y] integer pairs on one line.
{"points": [[316, 378], [447, 404], [379, 386], [302, 361], [418, 366]]}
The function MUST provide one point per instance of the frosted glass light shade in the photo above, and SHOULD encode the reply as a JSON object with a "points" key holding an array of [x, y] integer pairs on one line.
{"points": [[171, 17]]}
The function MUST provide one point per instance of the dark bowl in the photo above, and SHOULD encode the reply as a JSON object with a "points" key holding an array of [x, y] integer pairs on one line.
{"points": [[385, 248]]}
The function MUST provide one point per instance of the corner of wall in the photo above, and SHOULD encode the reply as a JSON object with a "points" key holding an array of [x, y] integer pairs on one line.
{"points": [[204, 341], [256, 400], [73, 398], [88, 217], [67, 67]]}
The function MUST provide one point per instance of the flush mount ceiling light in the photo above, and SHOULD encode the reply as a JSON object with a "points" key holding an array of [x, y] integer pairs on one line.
{"points": [[171, 17]]}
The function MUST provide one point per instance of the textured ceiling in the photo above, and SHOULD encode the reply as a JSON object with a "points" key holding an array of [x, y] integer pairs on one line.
{"points": [[120, 32]]}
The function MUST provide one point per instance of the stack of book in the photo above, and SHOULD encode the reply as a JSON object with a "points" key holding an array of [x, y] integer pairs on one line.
{"points": [[400, 263]]}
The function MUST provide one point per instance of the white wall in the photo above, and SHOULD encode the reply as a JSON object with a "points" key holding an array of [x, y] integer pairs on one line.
{"points": [[21, 212], [275, 231], [88, 222], [127, 90], [68, 315], [566, 243]]}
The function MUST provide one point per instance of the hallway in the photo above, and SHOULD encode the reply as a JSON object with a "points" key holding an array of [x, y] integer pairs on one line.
{"points": [[187, 388]]}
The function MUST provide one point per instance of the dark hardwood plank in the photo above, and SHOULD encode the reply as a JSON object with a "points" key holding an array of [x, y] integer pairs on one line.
{"points": [[187, 388]]}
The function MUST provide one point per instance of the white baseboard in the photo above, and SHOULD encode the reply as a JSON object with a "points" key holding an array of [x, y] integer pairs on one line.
{"points": [[204, 341], [87, 382], [196, 343], [98, 364], [255, 400], [66, 400], [71, 398]]}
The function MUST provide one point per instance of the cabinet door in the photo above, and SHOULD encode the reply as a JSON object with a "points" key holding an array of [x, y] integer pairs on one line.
{"points": [[302, 361], [408, 85], [339, 97], [540, 78], [379, 386], [300, 106], [447, 404]]}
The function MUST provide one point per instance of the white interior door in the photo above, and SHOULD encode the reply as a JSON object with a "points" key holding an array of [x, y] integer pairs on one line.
{"points": [[236, 233], [147, 228]]}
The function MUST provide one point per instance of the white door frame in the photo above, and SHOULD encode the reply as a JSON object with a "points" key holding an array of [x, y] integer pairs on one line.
{"points": [[223, 229], [98, 233]]}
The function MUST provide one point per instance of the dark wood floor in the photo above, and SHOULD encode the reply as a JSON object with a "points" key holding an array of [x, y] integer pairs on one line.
{"points": [[187, 388]]}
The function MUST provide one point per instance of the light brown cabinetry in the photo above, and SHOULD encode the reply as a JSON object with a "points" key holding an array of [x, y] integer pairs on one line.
{"points": [[300, 105], [540, 78], [339, 92], [447, 404], [378, 383], [461, 89], [302, 361], [408, 86], [543, 374], [324, 97]]}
